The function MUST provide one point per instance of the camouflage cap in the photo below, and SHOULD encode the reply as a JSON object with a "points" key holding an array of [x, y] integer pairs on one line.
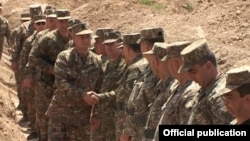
{"points": [[131, 39], [39, 18], [35, 9], [194, 54], [72, 22], [110, 37], [63, 14], [159, 50], [50, 12], [235, 78], [174, 49], [101, 31], [25, 16], [151, 33], [80, 29]]}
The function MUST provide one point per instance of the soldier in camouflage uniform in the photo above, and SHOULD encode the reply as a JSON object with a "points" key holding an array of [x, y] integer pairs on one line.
{"points": [[113, 71], [77, 71], [4, 31], [136, 65], [71, 23], [201, 65], [28, 87], [161, 91], [23, 32], [177, 109], [24, 17], [99, 47], [236, 94], [142, 93], [42, 57]]}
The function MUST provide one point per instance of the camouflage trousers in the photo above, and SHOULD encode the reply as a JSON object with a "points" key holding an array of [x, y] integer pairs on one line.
{"points": [[119, 125], [31, 110], [107, 130], [20, 94], [59, 131], [43, 97], [135, 128]]}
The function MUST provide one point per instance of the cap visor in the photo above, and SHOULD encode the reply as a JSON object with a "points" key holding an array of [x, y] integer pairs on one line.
{"points": [[84, 32], [148, 52], [227, 89], [52, 16], [40, 21], [185, 67], [64, 18], [109, 41]]}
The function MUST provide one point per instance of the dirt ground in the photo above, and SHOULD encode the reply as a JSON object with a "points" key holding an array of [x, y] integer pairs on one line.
{"points": [[224, 23]]}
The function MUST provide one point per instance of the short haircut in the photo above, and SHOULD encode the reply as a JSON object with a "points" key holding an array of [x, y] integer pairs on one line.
{"points": [[152, 41], [135, 47], [210, 58], [244, 90]]}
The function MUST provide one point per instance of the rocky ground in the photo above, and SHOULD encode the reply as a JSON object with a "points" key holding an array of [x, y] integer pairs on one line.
{"points": [[224, 23]]}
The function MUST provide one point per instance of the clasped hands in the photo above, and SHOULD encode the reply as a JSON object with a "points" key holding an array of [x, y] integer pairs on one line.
{"points": [[91, 98]]}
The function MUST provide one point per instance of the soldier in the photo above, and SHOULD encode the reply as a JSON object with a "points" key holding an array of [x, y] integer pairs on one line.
{"points": [[4, 31], [201, 65], [104, 113], [23, 32], [136, 65], [28, 88], [24, 17], [236, 94], [71, 22], [99, 47], [77, 71], [43, 57], [161, 91], [176, 109], [142, 93]]}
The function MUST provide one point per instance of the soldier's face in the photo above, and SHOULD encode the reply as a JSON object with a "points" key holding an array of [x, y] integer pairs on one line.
{"points": [[51, 23], [125, 51], [62, 24], [111, 49], [200, 74], [234, 103], [82, 41], [152, 61], [99, 46]]}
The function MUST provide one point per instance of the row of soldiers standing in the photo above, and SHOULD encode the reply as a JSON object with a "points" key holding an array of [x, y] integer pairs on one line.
{"points": [[121, 90]]}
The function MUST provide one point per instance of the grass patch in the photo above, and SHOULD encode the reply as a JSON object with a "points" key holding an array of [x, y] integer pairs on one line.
{"points": [[146, 2], [159, 6]]}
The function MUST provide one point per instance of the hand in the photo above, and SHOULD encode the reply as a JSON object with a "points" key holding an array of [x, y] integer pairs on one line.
{"points": [[124, 137], [95, 123], [28, 83], [91, 98]]}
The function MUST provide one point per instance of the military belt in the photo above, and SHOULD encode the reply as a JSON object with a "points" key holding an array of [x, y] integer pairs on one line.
{"points": [[130, 111], [149, 133], [120, 106], [140, 120]]}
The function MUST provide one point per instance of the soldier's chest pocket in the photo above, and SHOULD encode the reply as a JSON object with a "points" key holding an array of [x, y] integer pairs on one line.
{"points": [[91, 73]]}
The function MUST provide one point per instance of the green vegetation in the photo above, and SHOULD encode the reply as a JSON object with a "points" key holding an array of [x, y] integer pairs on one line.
{"points": [[156, 5]]}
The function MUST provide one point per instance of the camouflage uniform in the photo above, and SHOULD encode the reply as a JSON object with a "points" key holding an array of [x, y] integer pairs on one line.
{"points": [[28, 99], [237, 79], [207, 109], [160, 96], [42, 57], [4, 32], [142, 94], [125, 87], [22, 33], [106, 110], [137, 109], [69, 115]]}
